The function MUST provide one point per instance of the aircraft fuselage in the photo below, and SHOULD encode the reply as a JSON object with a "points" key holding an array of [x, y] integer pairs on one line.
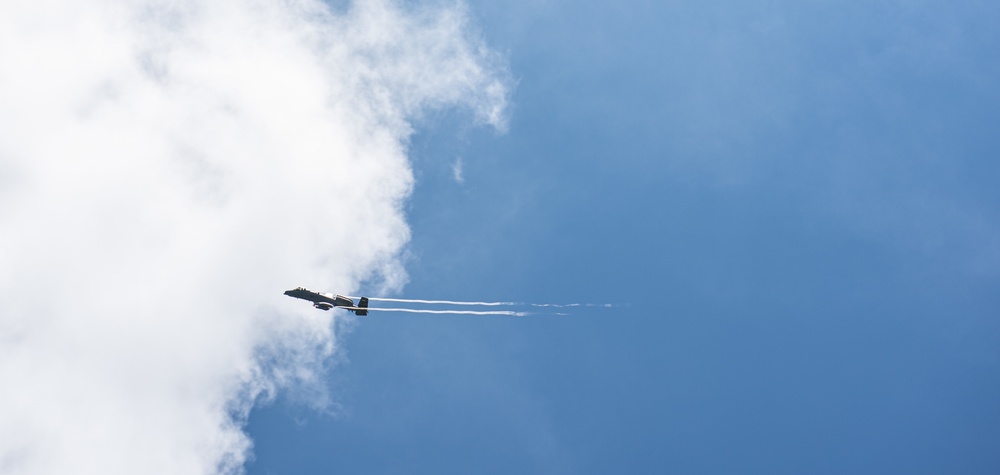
{"points": [[324, 301]]}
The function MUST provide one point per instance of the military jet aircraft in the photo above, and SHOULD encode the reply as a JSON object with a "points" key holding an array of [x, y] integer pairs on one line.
{"points": [[324, 301]]}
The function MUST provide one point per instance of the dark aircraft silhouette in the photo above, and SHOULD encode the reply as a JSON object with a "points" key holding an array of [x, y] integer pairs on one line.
{"points": [[326, 301]]}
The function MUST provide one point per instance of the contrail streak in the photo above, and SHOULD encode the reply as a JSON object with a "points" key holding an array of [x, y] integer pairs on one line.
{"points": [[445, 302], [489, 304], [566, 305], [451, 312]]}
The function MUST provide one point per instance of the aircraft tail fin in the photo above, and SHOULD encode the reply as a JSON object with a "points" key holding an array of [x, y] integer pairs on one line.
{"points": [[363, 304]]}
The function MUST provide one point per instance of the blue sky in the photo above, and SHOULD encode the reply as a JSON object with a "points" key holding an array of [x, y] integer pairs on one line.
{"points": [[792, 206], [794, 202]]}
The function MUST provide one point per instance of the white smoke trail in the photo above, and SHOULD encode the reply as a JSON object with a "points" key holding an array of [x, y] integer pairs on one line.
{"points": [[442, 302], [568, 305], [452, 312], [165, 165], [489, 304]]}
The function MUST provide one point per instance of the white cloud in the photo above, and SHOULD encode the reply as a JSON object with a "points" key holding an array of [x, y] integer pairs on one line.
{"points": [[167, 168], [456, 171]]}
